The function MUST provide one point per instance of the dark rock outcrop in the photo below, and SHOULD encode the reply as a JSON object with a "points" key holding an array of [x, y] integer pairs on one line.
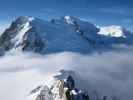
{"points": [[62, 90], [10, 33]]}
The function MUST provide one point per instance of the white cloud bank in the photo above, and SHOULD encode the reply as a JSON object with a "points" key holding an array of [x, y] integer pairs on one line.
{"points": [[108, 73]]}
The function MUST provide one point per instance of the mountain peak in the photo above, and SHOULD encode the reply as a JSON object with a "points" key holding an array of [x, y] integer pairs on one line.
{"points": [[61, 89], [23, 19], [69, 19], [113, 31]]}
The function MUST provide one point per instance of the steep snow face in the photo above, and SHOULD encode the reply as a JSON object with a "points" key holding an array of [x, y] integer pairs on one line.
{"points": [[61, 36], [25, 24], [19, 37], [13, 36], [113, 31]]}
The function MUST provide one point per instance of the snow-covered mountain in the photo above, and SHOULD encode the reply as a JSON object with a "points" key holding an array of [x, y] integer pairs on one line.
{"points": [[62, 34], [58, 35]]}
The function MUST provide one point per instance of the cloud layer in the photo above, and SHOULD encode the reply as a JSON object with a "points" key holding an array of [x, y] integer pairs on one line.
{"points": [[108, 74]]}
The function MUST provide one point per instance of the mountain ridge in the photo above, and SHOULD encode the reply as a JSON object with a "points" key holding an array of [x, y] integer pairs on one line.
{"points": [[62, 34]]}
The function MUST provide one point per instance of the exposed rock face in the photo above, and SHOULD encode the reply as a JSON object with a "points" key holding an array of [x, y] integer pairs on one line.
{"points": [[62, 90], [10, 33]]}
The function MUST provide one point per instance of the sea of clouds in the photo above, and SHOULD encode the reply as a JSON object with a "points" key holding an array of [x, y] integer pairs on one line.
{"points": [[109, 73]]}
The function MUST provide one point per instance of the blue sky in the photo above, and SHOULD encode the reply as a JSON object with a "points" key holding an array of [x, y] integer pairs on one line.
{"points": [[100, 12]]}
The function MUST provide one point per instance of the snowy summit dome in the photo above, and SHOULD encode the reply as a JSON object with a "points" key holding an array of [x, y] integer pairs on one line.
{"points": [[113, 31]]}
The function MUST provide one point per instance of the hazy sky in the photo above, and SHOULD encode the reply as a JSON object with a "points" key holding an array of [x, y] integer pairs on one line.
{"points": [[100, 12]]}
